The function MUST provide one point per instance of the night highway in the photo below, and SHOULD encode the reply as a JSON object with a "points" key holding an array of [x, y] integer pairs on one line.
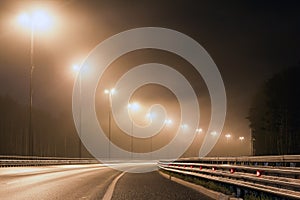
{"points": [[149, 99]]}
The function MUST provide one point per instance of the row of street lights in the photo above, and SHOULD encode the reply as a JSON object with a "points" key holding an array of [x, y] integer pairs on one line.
{"points": [[228, 136], [134, 107], [40, 20]]}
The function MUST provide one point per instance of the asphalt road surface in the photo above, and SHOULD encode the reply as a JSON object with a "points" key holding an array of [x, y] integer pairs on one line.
{"points": [[152, 186], [88, 182]]}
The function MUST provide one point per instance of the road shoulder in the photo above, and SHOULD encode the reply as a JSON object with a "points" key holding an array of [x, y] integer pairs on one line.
{"points": [[210, 193]]}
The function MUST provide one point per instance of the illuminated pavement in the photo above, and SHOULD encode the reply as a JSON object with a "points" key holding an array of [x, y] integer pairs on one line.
{"points": [[87, 182], [152, 186]]}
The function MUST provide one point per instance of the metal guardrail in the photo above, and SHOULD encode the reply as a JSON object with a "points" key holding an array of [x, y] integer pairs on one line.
{"points": [[276, 180], [278, 161], [15, 161]]}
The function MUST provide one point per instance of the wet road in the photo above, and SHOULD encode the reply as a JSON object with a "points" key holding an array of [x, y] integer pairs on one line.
{"points": [[87, 182]]}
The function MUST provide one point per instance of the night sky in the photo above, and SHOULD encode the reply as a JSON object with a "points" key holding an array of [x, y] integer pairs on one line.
{"points": [[248, 40]]}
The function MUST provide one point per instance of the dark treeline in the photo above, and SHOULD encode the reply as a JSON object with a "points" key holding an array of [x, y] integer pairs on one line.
{"points": [[275, 115], [52, 136]]}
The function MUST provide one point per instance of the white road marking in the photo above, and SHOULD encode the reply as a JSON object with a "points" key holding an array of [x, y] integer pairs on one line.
{"points": [[51, 174], [110, 190]]}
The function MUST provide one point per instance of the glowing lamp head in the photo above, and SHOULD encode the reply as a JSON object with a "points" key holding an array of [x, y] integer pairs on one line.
{"points": [[37, 19], [76, 68], [213, 133], [134, 106], [150, 115], [168, 121], [199, 130], [24, 20], [241, 138], [184, 126], [111, 91]]}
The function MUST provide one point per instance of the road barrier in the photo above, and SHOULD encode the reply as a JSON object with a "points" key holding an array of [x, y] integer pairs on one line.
{"points": [[15, 161], [274, 175]]}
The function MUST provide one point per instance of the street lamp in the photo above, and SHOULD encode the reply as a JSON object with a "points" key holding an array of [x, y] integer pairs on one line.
{"points": [[228, 136], [241, 138], [213, 133], [109, 92], [199, 130], [133, 107], [184, 126], [76, 68], [168, 122], [36, 20]]}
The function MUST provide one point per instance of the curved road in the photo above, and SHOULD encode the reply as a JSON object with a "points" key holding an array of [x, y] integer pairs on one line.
{"points": [[88, 182]]}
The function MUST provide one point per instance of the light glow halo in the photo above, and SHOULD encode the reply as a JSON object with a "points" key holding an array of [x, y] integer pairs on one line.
{"points": [[106, 52]]}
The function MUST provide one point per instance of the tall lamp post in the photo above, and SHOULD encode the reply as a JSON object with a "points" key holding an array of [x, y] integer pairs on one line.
{"points": [[252, 141], [109, 93], [227, 136], [36, 20], [168, 122], [132, 107], [76, 68], [150, 117]]}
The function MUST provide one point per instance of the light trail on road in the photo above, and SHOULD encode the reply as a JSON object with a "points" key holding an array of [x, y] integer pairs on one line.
{"points": [[90, 181]]}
